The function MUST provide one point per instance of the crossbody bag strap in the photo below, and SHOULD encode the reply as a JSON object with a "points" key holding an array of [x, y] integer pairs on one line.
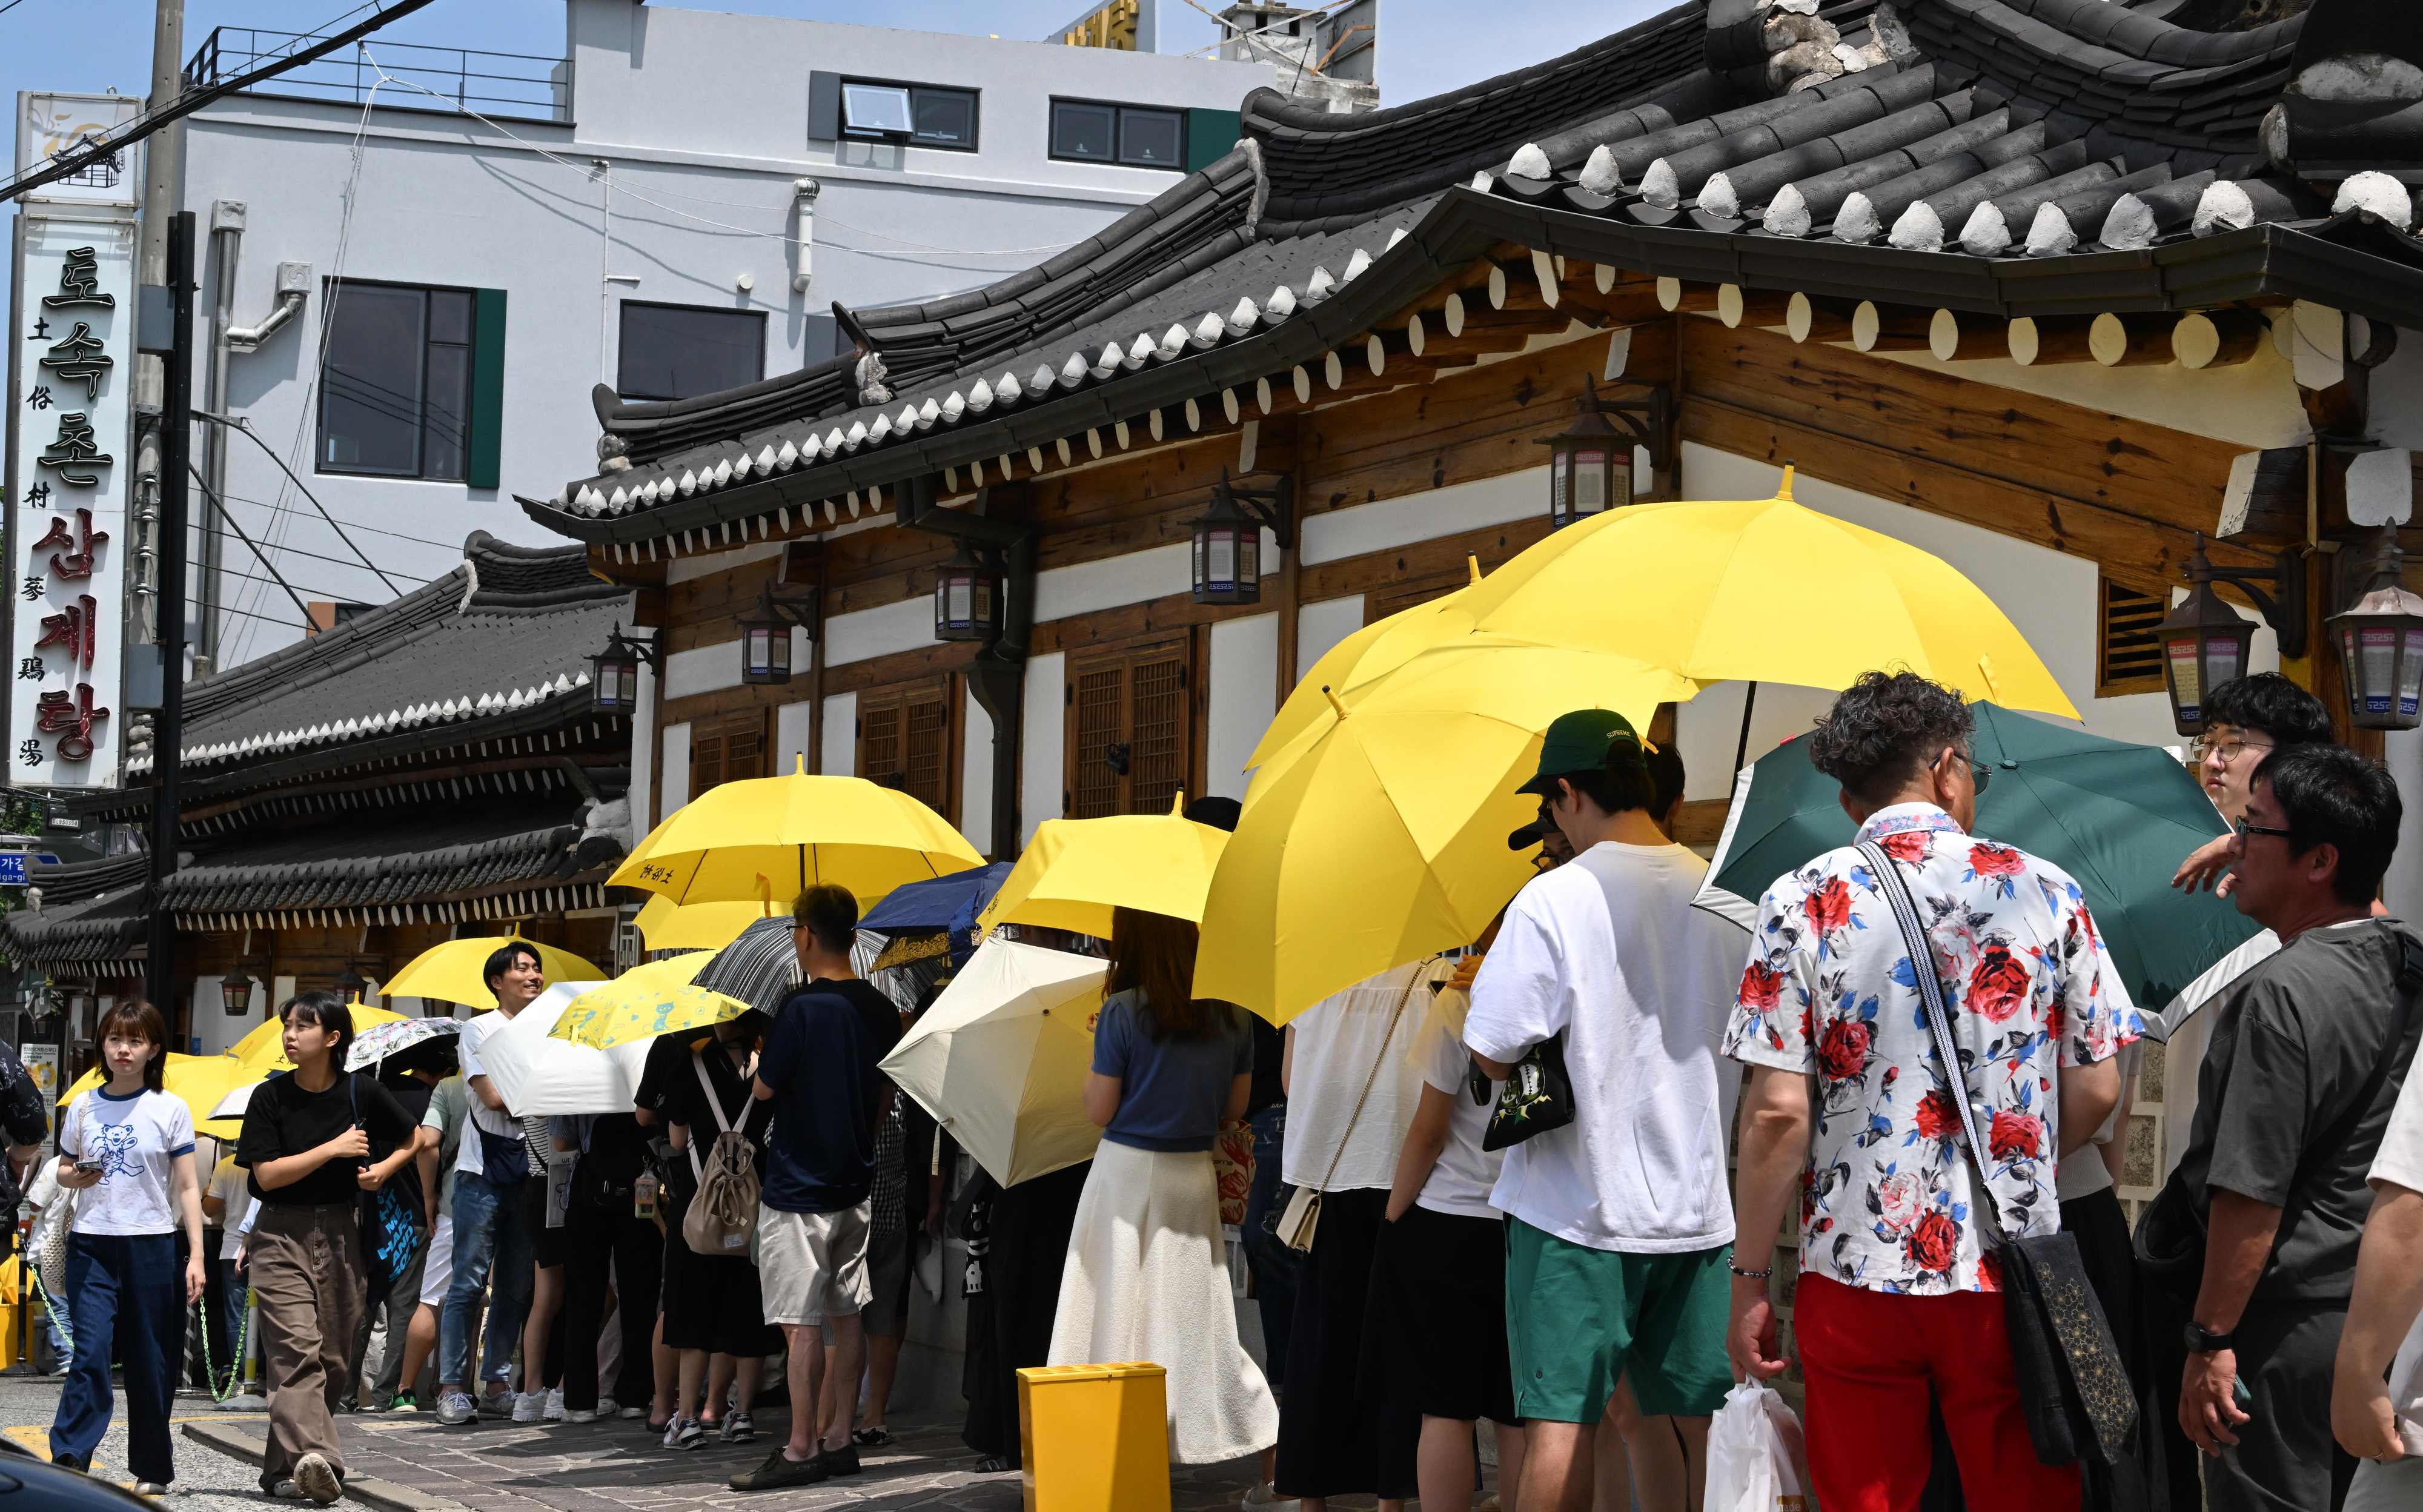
{"points": [[1377, 1061], [714, 1106], [1938, 1021]]}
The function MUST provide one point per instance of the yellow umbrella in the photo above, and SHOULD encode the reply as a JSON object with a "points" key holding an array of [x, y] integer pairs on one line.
{"points": [[790, 831], [643, 1002], [1355, 663], [1076, 871], [200, 1082], [457, 971], [1382, 837], [666, 925], [1761, 589], [264, 1051]]}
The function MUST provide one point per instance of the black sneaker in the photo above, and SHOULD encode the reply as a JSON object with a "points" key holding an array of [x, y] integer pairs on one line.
{"points": [[841, 1461], [779, 1469]]}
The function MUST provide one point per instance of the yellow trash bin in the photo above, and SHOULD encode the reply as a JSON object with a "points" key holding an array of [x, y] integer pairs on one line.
{"points": [[1095, 1438]]}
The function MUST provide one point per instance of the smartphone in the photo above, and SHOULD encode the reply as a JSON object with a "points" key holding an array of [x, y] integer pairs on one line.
{"points": [[88, 1167], [2238, 1393]]}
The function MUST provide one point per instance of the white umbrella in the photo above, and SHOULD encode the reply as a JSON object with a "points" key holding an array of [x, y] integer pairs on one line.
{"points": [[1001, 1055], [538, 1075]]}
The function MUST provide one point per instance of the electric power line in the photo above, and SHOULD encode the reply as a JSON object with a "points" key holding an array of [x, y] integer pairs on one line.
{"points": [[288, 509], [247, 540], [241, 426]]}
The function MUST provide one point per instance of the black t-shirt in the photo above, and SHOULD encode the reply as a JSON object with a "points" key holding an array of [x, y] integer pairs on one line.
{"points": [[2294, 1042], [820, 1062], [283, 1120], [669, 1088], [1268, 1047], [413, 1097]]}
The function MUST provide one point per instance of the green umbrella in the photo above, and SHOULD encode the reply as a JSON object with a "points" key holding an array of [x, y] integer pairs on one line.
{"points": [[2116, 816]]}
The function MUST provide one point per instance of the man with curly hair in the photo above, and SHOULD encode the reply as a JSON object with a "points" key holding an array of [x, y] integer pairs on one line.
{"points": [[1849, 1109]]}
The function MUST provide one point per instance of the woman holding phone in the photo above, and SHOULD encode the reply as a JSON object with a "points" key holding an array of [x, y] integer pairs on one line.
{"points": [[307, 1141], [128, 1148]]}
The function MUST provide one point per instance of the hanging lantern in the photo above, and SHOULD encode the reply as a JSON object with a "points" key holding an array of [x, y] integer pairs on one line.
{"points": [[614, 677], [235, 993], [2205, 644], [765, 649], [1590, 464], [967, 600], [351, 984], [1228, 553], [2380, 646]]}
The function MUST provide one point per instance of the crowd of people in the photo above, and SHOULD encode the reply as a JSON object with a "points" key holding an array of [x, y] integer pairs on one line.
{"points": [[1554, 1195]]}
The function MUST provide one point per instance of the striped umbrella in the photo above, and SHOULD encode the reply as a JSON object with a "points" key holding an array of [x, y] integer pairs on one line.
{"points": [[392, 1036], [760, 967]]}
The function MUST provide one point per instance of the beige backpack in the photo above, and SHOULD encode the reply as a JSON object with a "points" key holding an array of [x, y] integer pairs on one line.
{"points": [[723, 1217]]}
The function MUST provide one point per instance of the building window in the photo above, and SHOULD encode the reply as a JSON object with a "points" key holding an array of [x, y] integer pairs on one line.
{"points": [[918, 113], [1130, 740], [2128, 651], [726, 750], [682, 351], [904, 741], [398, 401], [1086, 130]]}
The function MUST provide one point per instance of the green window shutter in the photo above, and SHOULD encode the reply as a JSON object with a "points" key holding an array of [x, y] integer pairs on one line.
{"points": [[487, 387], [1209, 135]]}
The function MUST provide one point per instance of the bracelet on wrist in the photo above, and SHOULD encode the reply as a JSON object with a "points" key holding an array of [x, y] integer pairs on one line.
{"points": [[1750, 1275]]}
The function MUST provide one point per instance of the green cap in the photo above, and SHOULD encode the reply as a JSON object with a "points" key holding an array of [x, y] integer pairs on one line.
{"points": [[1579, 741]]}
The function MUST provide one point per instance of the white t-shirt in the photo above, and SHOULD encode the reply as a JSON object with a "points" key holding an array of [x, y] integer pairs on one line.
{"points": [[2084, 1172], [1462, 1180], [1609, 949], [137, 1140], [2400, 1160], [476, 1031], [229, 1185], [1337, 1042]]}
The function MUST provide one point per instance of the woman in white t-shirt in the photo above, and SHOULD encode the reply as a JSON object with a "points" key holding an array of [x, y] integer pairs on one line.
{"points": [[1434, 1339], [127, 1149]]}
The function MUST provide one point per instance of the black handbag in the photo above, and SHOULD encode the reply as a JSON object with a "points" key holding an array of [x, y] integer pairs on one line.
{"points": [[2076, 1395], [2169, 1240], [391, 1227], [1538, 1096]]}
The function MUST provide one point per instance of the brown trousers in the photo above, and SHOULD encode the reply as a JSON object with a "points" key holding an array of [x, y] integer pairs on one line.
{"points": [[306, 1264]]}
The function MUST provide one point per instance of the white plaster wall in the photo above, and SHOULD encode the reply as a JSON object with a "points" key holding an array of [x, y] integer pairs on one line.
{"points": [[2402, 889], [975, 776], [1426, 515], [1043, 741], [841, 735], [644, 753], [791, 724], [676, 769], [864, 634], [1321, 624], [1244, 693], [1131, 579]]}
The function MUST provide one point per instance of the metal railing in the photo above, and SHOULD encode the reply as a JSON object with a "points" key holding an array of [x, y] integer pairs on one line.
{"points": [[516, 86]]}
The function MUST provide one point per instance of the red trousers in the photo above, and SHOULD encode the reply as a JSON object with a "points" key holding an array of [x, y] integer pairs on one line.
{"points": [[1870, 1359]]}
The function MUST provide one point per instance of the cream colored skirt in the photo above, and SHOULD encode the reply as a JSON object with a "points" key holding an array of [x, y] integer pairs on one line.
{"points": [[1147, 1279]]}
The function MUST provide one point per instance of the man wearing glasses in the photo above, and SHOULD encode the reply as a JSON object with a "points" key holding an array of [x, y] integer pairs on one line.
{"points": [[2246, 719]]}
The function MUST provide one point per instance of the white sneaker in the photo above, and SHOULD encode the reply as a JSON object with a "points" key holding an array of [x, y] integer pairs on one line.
{"points": [[580, 1414], [318, 1478], [1263, 1499], [632, 1413], [555, 1404], [529, 1406], [607, 1406]]}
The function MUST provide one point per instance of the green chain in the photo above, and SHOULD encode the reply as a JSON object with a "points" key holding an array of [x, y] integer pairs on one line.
{"points": [[209, 1371], [58, 1320]]}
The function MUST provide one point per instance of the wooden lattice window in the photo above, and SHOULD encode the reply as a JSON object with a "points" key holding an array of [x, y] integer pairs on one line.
{"points": [[1130, 744], [726, 749], [904, 741], [1396, 598], [2128, 649]]}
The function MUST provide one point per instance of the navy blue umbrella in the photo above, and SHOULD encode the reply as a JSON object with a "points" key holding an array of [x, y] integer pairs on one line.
{"points": [[938, 903]]}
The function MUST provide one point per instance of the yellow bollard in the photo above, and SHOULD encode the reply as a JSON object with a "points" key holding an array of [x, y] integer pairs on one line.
{"points": [[1095, 1438]]}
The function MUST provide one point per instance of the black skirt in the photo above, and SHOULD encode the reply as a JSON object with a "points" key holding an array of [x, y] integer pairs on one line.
{"points": [[1434, 1336], [712, 1302], [1330, 1443], [1031, 1222]]}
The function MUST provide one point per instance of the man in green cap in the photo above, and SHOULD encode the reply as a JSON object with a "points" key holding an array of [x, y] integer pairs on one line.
{"points": [[1619, 1226]]}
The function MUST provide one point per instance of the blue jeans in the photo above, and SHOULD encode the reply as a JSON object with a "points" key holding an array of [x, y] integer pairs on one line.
{"points": [[1273, 1263], [488, 1234], [128, 1288]]}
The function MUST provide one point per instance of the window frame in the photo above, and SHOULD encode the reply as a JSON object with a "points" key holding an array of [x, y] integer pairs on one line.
{"points": [[722, 728], [332, 288], [1183, 647], [1118, 110], [2109, 683], [759, 315], [902, 697], [975, 115]]}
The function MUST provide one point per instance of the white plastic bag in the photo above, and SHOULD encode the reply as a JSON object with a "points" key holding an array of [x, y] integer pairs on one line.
{"points": [[1756, 1460]]}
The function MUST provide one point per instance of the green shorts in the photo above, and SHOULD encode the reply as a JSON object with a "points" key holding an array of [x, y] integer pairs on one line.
{"points": [[1579, 1320]]}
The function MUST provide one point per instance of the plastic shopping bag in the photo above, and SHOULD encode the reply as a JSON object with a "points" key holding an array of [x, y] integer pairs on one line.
{"points": [[1756, 1461]]}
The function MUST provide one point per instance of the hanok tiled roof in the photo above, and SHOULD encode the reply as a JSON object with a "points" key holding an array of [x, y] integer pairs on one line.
{"points": [[498, 648], [2001, 157], [92, 917]]}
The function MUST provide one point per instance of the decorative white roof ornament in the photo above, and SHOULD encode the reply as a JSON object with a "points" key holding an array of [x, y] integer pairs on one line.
{"points": [[2376, 194], [2050, 233], [723, 471], [1857, 222], [952, 408], [733, 469], [1529, 162], [1788, 214], [1659, 187], [688, 483], [1281, 303], [1986, 234], [1141, 351], [1919, 229], [980, 397], [1717, 197], [1394, 237], [1483, 182], [1318, 286], [1009, 390], [1209, 331], [881, 428], [1242, 318], [789, 457], [927, 413], [1355, 265], [1075, 368], [616, 501]]}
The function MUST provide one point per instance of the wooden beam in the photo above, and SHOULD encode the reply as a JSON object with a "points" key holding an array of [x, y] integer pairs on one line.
{"points": [[1674, 296], [2037, 341], [1737, 307], [2135, 341], [1818, 320], [2218, 338], [1877, 327], [1954, 335]]}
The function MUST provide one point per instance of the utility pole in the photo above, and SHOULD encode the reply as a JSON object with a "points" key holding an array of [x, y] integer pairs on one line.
{"points": [[164, 403]]}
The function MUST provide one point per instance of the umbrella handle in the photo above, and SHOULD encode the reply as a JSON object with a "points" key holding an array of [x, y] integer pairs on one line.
{"points": [[765, 894]]}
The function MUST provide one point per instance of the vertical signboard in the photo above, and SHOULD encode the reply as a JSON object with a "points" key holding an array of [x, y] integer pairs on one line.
{"points": [[49, 124], [69, 436], [42, 1064]]}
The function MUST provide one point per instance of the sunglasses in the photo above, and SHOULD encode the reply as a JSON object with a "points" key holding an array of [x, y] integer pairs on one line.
{"points": [[1979, 773], [2245, 829]]}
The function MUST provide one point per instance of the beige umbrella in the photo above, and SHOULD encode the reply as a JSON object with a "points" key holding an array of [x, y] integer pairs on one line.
{"points": [[1000, 1058]]}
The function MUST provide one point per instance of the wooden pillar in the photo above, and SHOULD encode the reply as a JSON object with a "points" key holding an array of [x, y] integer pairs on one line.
{"points": [[1291, 565]]}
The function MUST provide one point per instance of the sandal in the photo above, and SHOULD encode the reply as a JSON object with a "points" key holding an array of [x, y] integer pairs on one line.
{"points": [[993, 1465], [873, 1438]]}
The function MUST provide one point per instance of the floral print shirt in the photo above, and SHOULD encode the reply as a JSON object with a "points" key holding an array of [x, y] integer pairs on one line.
{"points": [[1886, 1203]]}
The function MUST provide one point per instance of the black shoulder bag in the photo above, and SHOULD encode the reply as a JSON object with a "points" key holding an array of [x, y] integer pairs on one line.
{"points": [[2170, 1237], [1538, 1096], [2076, 1397], [390, 1234]]}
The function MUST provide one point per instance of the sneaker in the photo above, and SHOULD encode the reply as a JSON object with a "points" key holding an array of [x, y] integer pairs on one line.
{"points": [[529, 1406], [628, 1414], [373, 1405], [841, 1461], [498, 1404], [580, 1414], [318, 1478], [737, 1428], [684, 1433], [555, 1404], [873, 1438], [150, 1488], [286, 1490], [1262, 1498], [607, 1406], [455, 1408], [781, 1470], [405, 1402], [68, 1462]]}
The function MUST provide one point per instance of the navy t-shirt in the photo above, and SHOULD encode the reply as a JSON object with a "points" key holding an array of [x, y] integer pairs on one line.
{"points": [[1171, 1094], [820, 1059]]}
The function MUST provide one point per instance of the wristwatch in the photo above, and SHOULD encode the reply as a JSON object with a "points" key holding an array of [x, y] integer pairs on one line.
{"points": [[2202, 1341]]}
